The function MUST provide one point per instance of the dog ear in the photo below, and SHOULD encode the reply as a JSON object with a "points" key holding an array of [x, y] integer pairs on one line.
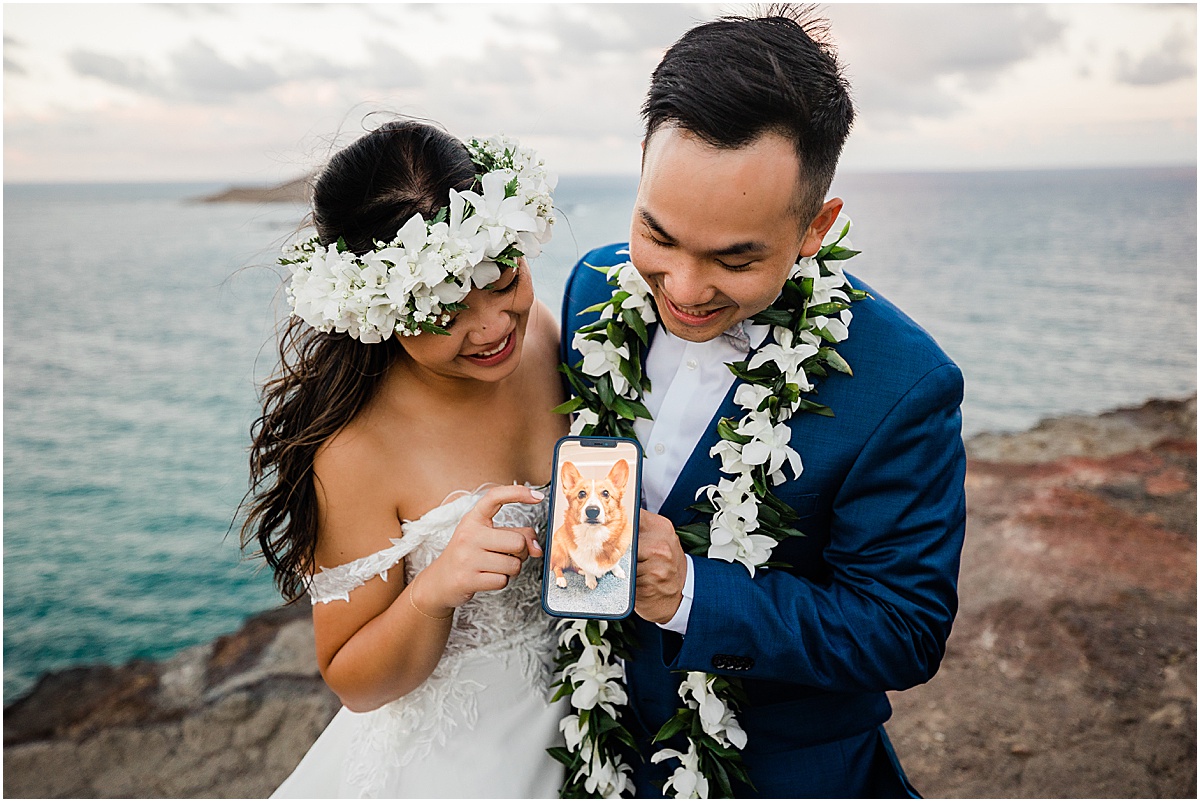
{"points": [[619, 474], [570, 475]]}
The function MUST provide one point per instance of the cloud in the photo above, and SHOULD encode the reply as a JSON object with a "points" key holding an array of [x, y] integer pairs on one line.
{"points": [[11, 65], [128, 74], [908, 62], [387, 67], [196, 72], [1169, 61], [202, 74], [585, 30]]}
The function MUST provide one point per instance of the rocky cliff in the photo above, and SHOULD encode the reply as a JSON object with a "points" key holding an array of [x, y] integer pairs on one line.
{"points": [[1071, 671]]}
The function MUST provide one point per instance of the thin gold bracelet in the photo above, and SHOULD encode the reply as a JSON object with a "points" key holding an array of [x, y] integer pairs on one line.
{"points": [[411, 586]]}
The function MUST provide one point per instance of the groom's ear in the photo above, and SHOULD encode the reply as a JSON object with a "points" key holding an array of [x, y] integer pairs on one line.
{"points": [[820, 226]]}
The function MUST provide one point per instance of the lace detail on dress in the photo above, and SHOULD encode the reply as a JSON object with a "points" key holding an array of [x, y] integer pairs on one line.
{"points": [[507, 624]]}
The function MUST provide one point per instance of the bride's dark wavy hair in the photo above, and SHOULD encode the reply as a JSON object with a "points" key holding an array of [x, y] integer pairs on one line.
{"points": [[365, 193]]}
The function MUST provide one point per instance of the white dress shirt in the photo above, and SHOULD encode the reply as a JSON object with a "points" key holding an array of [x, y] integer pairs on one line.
{"points": [[690, 380]]}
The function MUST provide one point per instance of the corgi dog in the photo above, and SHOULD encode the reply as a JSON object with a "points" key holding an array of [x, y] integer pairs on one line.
{"points": [[596, 532]]}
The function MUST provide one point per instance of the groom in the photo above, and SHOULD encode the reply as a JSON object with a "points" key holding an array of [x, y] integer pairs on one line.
{"points": [[745, 120]]}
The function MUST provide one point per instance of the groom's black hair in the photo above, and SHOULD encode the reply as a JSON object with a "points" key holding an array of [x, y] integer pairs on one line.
{"points": [[734, 79]]}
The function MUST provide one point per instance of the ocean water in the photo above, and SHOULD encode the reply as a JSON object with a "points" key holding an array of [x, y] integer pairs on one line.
{"points": [[137, 324]]}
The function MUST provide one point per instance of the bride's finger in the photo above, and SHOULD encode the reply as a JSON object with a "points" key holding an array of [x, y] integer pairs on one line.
{"points": [[532, 547], [490, 502], [495, 563]]}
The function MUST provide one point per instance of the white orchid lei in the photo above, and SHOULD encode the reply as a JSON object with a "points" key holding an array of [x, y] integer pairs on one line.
{"points": [[416, 282], [746, 520]]}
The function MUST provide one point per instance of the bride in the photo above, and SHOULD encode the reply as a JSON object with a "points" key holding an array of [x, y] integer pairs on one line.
{"points": [[395, 467]]}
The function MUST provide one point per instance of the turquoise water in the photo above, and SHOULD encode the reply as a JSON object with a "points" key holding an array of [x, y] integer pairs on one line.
{"points": [[137, 324]]}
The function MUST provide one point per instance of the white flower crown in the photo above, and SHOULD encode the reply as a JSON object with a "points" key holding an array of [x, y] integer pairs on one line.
{"points": [[417, 281]]}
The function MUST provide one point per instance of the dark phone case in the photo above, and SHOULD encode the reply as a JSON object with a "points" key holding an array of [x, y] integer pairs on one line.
{"points": [[634, 484]]}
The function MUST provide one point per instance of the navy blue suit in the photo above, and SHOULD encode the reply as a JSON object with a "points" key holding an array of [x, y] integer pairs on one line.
{"points": [[869, 600]]}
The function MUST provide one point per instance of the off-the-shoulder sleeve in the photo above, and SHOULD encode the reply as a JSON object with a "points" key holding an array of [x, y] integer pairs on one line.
{"points": [[331, 584]]}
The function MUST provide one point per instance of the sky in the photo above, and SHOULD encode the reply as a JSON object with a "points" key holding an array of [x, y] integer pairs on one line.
{"points": [[256, 94]]}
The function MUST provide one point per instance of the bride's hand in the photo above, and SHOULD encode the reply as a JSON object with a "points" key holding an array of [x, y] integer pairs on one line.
{"points": [[480, 555]]}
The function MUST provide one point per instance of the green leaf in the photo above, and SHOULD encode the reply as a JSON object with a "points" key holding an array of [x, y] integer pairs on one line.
{"points": [[616, 334], [568, 406], [425, 325], [674, 725], [839, 254], [624, 409], [835, 361], [562, 755], [694, 536], [510, 189], [623, 735], [813, 406], [563, 690], [763, 374], [721, 777], [726, 431], [341, 245], [773, 317], [593, 308], [640, 410], [605, 389], [830, 308], [634, 321]]}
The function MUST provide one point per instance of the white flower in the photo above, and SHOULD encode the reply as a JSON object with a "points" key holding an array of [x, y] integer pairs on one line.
{"points": [[596, 681], [501, 218], [583, 417], [787, 354], [606, 779], [730, 454], [751, 396], [400, 284], [687, 782], [735, 497], [715, 717], [573, 732], [769, 444], [730, 539], [631, 281], [601, 357]]}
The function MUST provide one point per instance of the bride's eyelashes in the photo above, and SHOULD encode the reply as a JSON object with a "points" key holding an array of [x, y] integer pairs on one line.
{"points": [[510, 287]]}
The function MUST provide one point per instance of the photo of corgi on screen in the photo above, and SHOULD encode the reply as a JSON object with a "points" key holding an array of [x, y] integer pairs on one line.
{"points": [[593, 517]]}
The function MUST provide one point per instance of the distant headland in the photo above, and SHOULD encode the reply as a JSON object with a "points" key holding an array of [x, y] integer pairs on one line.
{"points": [[298, 190]]}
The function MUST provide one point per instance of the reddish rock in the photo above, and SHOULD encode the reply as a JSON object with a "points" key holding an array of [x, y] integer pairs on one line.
{"points": [[1071, 670]]}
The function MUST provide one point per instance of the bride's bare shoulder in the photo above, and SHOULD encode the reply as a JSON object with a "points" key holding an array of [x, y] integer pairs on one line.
{"points": [[357, 495]]}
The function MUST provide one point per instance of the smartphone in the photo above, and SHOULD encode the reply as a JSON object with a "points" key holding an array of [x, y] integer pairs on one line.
{"points": [[591, 543]]}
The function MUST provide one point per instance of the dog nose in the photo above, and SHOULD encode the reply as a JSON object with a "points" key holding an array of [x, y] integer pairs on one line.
{"points": [[591, 512]]}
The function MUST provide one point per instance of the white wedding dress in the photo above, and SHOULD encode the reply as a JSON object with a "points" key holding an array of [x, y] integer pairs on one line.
{"points": [[479, 726]]}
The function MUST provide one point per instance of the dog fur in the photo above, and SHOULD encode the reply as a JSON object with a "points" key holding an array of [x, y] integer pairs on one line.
{"points": [[596, 531]]}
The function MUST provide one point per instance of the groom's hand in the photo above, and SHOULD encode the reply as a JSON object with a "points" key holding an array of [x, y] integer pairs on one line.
{"points": [[661, 569]]}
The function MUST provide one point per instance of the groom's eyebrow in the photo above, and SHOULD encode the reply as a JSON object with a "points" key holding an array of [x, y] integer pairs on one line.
{"points": [[735, 249]]}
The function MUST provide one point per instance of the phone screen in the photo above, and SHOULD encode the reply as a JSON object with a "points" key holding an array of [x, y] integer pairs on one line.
{"points": [[590, 560]]}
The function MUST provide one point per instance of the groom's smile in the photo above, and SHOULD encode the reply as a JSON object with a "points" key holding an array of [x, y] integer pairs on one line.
{"points": [[716, 231]]}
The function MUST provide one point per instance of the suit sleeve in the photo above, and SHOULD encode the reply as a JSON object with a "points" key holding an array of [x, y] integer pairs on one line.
{"points": [[896, 533]]}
